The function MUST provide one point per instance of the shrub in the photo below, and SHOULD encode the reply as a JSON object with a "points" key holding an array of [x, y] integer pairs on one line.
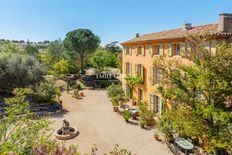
{"points": [[77, 85], [62, 85], [45, 92], [127, 114], [115, 100], [20, 134], [73, 68], [60, 68], [145, 114], [20, 71], [114, 90], [76, 93]]}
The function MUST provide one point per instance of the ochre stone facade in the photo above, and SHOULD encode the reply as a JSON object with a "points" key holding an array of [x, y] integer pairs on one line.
{"points": [[143, 50]]}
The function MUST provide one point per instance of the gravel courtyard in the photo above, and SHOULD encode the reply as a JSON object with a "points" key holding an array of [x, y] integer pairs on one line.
{"points": [[98, 125]]}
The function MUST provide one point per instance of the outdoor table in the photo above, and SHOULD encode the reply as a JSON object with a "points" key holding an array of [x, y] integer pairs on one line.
{"points": [[183, 143]]}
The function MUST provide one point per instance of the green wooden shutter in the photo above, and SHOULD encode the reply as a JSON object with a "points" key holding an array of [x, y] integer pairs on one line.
{"points": [[152, 75], [141, 70]]}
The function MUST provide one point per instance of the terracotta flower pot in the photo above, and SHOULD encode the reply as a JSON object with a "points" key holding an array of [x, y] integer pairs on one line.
{"points": [[82, 94], [121, 104], [142, 126], [134, 103], [115, 109], [157, 138]]}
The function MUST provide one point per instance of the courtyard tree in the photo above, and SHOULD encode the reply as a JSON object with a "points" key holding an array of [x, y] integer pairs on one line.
{"points": [[113, 47], [200, 92], [82, 42]]}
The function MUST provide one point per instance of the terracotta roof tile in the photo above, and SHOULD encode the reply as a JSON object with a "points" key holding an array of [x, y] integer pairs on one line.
{"points": [[177, 33]]}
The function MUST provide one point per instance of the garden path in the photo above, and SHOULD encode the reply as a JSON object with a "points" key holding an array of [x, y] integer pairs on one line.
{"points": [[98, 124]]}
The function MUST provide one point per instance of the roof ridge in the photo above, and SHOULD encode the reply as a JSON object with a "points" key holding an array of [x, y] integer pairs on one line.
{"points": [[201, 25]]}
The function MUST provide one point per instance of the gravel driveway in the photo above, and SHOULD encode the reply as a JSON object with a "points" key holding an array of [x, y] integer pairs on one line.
{"points": [[98, 125]]}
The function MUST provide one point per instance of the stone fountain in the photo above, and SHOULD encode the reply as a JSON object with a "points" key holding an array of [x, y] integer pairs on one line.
{"points": [[66, 131]]}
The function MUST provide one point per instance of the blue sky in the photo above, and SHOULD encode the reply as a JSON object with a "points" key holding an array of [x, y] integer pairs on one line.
{"points": [[111, 20]]}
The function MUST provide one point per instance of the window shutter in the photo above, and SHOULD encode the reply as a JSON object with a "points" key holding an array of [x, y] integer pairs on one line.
{"points": [[135, 69], [141, 70], [159, 105], [136, 50], [182, 49], [188, 47], [156, 50], [124, 50], [161, 50], [149, 49], [156, 103], [130, 51], [152, 50], [155, 74], [173, 49], [152, 75], [125, 89], [170, 50], [125, 68], [130, 69], [143, 50], [207, 45]]}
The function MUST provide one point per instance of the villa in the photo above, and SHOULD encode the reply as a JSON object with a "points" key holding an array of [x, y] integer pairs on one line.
{"points": [[139, 55]]}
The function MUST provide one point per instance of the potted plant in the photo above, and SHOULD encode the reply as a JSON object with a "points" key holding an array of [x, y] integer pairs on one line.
{"points": [[121, 103], [115, 103], [82, 94], [142, 122], [196, 150], [134, 103], [156, 135], [127, 115], [76, 94], [169, 138]]}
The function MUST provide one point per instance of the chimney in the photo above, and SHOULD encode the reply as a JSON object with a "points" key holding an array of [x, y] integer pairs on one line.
{"points": [[187, 26], [225, 22], [137, 35]]}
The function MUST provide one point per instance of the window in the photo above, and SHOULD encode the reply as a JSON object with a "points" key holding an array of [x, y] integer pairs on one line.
{"points": [[178, 47], [158, 103], [139, 50], [139, 69], [140, 94], [157, 50], [156, 75], [127, 50], [155, 104], [128, 68], [127, 90], [207, 45]]}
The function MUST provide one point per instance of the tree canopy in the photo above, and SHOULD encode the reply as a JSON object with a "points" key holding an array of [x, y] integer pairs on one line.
{"points": [[82, 42], [200, 92]]}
